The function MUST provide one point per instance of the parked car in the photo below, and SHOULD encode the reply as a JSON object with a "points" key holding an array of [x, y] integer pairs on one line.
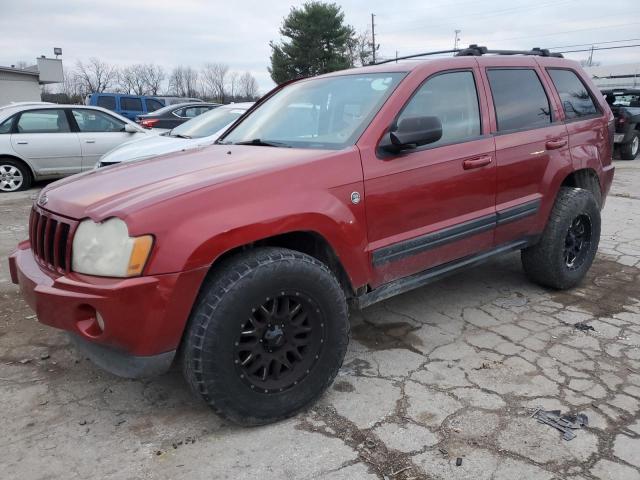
{"points": [[348, 187], [173, 115], [41, 141], [625, 104], [196, 133], [129, 106]]}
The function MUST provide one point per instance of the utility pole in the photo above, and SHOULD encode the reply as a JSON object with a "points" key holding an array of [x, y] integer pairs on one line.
{"points": [[590, 61], [456, 39], [374, 46]]}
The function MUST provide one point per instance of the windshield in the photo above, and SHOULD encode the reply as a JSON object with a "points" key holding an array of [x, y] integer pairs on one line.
{"points": [[324, 113], [207, 123]]}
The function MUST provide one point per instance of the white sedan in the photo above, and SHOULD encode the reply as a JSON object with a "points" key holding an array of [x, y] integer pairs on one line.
{"points": [[197, 132], [43, 140]]}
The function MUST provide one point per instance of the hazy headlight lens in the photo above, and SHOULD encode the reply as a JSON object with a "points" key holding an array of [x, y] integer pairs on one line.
{"points": [[105, 249]]}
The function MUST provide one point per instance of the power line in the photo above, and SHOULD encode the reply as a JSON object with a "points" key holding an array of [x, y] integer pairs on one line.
{"points": [[600, 48], [594, 43]]}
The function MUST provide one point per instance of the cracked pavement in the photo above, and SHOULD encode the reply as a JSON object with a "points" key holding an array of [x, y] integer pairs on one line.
{"points": [[452, 370]]}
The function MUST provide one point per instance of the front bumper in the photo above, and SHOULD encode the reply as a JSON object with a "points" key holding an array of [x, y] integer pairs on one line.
{"points": [[143, 317]]}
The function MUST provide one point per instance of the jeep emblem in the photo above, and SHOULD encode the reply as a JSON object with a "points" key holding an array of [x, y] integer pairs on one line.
{"points": [[355, 198], [42, 201]]}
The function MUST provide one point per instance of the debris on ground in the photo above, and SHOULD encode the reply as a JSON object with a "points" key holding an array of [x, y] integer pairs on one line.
{"points": [[584, 327], [444, 452], [458, 461], [565, 423]]}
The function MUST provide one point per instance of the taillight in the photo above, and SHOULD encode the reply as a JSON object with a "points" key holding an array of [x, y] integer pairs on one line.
{"points": [[148, 122]]}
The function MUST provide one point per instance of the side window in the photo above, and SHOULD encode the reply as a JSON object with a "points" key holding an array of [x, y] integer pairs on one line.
{"points": [[519, 99], [130, 103], [153, 104], [5, 127], [576, 99], [452, 97], [107, 102], [95, 121], [43, 121], [191, 112]]}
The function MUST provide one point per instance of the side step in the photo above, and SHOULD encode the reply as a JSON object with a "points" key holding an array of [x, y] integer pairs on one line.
{"points": [[420, 279]]}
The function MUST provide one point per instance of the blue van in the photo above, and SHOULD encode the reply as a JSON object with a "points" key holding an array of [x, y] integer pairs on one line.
{"points": [[129, 106]]}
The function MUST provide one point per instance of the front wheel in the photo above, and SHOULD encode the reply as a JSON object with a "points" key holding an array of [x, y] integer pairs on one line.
{"points": [[569, 243], [629, 150], [267, 336]]}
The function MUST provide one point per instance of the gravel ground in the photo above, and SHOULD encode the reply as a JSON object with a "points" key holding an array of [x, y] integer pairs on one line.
{"points": [[451, 371]]}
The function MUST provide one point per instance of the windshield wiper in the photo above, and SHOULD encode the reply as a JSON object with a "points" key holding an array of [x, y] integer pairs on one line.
{"points": [[181, 135], [263, 143]]}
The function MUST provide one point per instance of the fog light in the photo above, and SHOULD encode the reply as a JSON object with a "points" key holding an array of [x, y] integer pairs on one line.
{"points": [[100, 321]]}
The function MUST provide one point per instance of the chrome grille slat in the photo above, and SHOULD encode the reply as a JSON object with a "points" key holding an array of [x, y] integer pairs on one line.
{"points": [[50, 237]]}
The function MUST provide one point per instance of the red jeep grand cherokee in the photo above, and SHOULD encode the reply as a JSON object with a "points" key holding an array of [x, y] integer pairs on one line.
{"points": [[239, 259]]}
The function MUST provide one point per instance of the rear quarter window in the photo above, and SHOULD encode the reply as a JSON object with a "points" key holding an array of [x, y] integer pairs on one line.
{"points": [[519, 99], [574, 95], [5, 127]]}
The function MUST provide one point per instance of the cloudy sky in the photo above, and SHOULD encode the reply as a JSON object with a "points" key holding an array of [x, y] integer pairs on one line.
{"points": [[192, 32]]}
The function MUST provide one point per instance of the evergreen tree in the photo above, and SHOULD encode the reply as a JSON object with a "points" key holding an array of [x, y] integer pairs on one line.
{"points": [[318, 42]]}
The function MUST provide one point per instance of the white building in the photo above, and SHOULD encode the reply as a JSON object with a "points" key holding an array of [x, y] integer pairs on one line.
{"points": [[615, 76], [23, 85]]}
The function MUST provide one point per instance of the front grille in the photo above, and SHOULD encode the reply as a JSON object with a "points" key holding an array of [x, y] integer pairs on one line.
{"points": [[50, 237]]}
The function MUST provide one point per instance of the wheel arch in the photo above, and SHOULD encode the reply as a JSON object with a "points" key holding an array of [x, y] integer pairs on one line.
{"points": [[587, 179], [304, 241], [20, 160]]}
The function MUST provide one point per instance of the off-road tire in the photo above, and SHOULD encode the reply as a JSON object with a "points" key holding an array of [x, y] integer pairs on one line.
{"points": [[629, 150], [545, 262], [228, 298], [25, 172]]}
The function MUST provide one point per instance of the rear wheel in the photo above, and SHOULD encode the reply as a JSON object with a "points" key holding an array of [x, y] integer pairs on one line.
{"points": [[267, 336], [14, 176], [629, 151], [569, 243]]}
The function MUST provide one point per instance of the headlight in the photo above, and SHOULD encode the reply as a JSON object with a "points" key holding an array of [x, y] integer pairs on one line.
{"points": [[105, 249]]}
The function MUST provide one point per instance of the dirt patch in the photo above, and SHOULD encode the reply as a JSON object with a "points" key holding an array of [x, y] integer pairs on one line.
{"points": [[608, 287], [343, 386], [381, 460], [387, 336]]}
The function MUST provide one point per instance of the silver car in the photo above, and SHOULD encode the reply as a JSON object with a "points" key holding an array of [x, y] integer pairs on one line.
{"points": [[41, 141]]}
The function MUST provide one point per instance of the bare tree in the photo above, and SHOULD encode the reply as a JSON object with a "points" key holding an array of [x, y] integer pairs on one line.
{"points": [[22, 65], [232, 85], [360, 49], [132, 79], [96, 75], [248, 86], [71, 87], [183, 82], [214, 78], [154, 76]]}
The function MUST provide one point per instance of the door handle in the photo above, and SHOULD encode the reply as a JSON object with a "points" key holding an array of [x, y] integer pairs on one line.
{"points": [[476, 162], [90, 141], [22, 142], [556, 143]]}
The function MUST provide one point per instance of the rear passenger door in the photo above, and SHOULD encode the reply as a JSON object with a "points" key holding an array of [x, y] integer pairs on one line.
{"points": [[435, 203], [45, 139], [131, 107], [531, 141]]}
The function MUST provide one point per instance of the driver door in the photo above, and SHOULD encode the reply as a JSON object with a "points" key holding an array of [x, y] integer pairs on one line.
{"points": [[435, 203]]}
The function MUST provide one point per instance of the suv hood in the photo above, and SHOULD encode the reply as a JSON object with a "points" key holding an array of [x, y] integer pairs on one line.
{"points": [[122, 189]]}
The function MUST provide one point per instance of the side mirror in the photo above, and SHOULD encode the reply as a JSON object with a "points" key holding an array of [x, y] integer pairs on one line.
{"points": [[413, 132], [130, 128]]}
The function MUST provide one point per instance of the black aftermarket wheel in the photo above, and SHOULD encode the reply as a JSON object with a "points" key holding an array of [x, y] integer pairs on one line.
{"points": [[267, 336], [569, 243]]}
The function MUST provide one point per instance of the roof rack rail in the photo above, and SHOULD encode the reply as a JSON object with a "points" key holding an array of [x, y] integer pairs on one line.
{"points": [[476, 51]]}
